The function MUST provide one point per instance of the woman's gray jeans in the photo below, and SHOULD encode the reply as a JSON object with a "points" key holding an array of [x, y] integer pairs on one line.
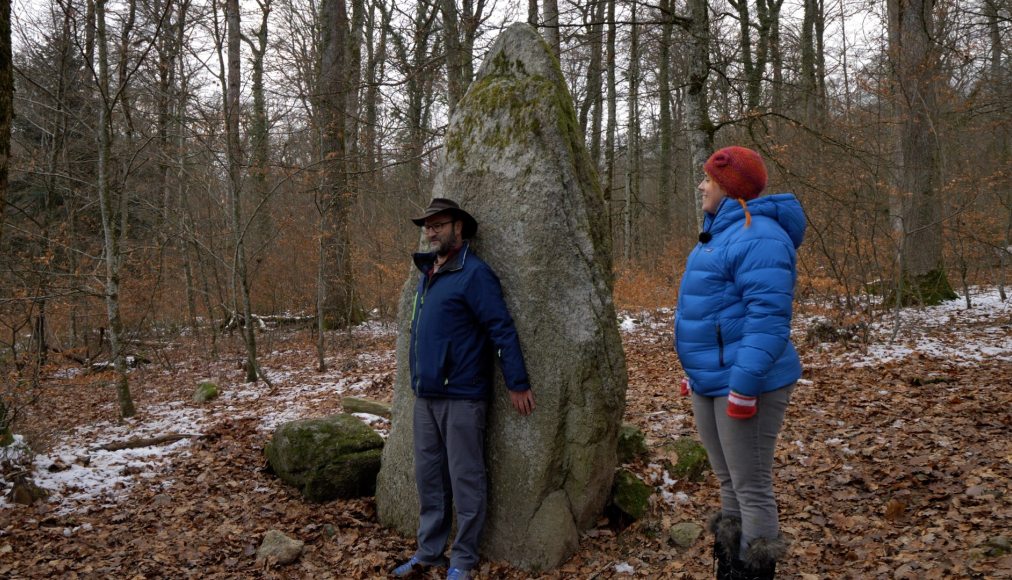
{"points": [[741, 454]]}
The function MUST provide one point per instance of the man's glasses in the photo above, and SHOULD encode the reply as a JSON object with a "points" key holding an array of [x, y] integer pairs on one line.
{"points": [[436, 227]]}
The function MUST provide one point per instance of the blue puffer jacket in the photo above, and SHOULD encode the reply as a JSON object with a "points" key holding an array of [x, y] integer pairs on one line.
{"points": [[733, 319], [458, 317]]}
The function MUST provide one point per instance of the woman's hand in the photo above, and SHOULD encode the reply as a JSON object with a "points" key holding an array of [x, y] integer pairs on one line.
{"points": [[741, 406]]}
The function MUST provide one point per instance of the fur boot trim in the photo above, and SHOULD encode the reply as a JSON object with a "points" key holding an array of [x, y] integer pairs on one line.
{"points": [[726, 533], [764, 553]]}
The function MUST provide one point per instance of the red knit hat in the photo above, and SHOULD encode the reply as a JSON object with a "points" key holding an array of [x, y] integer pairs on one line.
{"points": [[740, 171]]}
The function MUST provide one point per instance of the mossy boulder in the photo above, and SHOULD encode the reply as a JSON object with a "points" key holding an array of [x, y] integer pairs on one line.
{"points": [[327, 458], [279, 548], [360, 405], [206, 391], [632, 443], [630, 495], [685, 458], [928, 289], [685, 534]]}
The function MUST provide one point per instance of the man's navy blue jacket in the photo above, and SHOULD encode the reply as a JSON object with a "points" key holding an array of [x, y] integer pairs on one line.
{"points": [[459, 322]]}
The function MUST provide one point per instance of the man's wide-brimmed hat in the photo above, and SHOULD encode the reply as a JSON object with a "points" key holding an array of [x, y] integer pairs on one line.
{"points": [[442, 205]]}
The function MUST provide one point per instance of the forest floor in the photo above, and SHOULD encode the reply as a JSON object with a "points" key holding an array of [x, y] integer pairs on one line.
{"points": [[895, 460]]}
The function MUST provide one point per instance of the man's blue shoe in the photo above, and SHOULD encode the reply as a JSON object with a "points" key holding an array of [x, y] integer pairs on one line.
{"points": [[458, 574], [414, 565]]}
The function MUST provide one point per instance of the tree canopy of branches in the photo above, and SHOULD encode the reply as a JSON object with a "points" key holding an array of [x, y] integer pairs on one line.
{"points": [[177, 166]]}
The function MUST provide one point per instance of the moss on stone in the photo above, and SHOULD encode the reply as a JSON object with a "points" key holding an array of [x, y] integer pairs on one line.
{"points": [[928, 289], [631, 443], [630, 495], [360, 405], [326, 458], [686, 459], [685, 534], [206, 391]]}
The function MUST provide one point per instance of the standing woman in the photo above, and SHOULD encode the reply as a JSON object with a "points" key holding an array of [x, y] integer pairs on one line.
{"points": [[732, 334]]}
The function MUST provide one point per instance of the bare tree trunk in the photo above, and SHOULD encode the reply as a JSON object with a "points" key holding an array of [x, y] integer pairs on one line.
{"points": [[808, 81], [844, 63], [455, 85], [776, 62], [124, 96], [552, 27], [235, 183], [376, 58], [532, 13], [166, 78], [1000, 82], [597, 113], [340, 308], [664, 94], [700, 128], [6, 105], [820, 62], [593, 92], [632, 144], [125, 93], [260, 139], [752, 72], [609, 139], [321, 298], [353, 97], [470, 19], [915, 69], [111, 241], [89, 35]]}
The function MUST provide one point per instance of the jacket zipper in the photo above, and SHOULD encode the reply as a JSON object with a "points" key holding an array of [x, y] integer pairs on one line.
{"points": [[720, 346], [419, 304]]}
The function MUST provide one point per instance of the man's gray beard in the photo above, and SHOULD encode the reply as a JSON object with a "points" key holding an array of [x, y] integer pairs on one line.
{"points": [[444, 249]]}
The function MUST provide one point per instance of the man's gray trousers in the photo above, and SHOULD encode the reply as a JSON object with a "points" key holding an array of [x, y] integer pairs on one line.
{"points": [[449, 440]]}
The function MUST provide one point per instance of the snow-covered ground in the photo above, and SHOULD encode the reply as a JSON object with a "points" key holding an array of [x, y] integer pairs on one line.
{"points": [[948, 331], [77, 474]]}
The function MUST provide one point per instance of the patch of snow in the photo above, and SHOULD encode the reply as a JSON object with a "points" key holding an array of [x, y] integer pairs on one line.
{"points": [[375, 328], [627, 323], [979, 334], [668, 480], [17, 452], [67, 373], [381, 357], [93, 473], [624, 568], [380, 425]]}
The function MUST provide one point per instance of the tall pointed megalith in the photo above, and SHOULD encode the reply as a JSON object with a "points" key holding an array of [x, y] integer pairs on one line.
{"points": [[515, 159]]}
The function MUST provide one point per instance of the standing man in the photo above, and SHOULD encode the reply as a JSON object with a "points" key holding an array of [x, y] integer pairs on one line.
{"points": [[459, 322]]}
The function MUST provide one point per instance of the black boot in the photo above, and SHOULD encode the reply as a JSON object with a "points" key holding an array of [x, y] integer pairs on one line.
{"points": [[759, 562], [726, 536]]}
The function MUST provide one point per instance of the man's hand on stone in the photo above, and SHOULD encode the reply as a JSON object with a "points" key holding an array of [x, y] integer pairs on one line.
{"points": [[523, 401]]}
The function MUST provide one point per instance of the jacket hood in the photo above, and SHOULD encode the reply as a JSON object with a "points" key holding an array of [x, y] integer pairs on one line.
{"points": [[783, 208]]}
